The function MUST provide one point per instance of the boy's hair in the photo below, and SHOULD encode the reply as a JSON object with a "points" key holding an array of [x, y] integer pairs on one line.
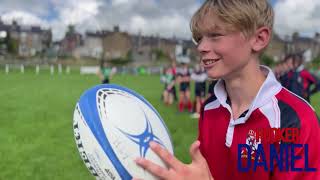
{"points": [[297, 60], [288, 57], [245, 16]]}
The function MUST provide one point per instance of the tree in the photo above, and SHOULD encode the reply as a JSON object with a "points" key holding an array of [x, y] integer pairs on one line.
{"points": [[267, 60], [295, 35], [13, 45], [71, 30], [160, 55], [315, 63], [122, 60]]}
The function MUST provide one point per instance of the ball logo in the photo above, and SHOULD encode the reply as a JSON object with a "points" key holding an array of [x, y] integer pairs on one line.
{"points": [[143, 139]]}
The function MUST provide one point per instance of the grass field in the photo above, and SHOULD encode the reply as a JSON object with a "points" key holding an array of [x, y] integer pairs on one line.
{"points": [[36, 136]]}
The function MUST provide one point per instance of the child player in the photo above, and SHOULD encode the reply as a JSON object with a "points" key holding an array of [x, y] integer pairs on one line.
{"points": [[300, 79], [199, 76], [183, 78], [105, 72], [231, 36], [169, 83]]}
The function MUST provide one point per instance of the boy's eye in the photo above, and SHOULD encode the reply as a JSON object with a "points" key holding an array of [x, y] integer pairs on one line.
{"points": [[214, 35]]}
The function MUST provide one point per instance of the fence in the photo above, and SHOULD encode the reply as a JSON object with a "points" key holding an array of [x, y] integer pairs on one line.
{"points": [[52, 69], [60, 69]]}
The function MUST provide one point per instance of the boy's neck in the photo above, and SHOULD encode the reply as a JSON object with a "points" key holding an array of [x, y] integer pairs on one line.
{"points": [[243, 88]]}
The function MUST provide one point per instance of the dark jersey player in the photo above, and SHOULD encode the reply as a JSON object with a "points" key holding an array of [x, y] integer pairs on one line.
{"points": [[199, 76], [301, 80], [212, 83], [183, 78]]}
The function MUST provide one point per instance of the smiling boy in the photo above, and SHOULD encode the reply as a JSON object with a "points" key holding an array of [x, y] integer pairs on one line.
{"points": [[231, 35]]}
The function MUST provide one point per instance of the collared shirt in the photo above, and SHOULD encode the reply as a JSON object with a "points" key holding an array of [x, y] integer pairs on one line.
{"points": [[273, 107]]}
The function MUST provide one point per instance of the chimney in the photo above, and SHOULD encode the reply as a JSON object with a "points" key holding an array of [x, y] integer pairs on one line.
{"points": [[14, 23], [317, 37], [116, 29]]}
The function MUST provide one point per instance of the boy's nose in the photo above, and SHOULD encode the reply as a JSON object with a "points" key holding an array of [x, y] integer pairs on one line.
{"points": [[203, 46]]}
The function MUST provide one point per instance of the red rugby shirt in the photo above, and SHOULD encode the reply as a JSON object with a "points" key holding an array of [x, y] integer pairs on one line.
{"points": [[273, 107]]}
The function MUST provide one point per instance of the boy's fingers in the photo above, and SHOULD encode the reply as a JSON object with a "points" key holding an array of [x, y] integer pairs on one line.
{"points": [[166, 156], [195, 152], [153, 168]]}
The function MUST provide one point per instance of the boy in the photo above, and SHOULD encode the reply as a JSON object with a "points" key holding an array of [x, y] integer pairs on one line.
{"points": [[300, 79], [247, 99], [199, 76], [183, 78], [212, 83], [174, 72], [105, 72], [169, 83], [285, 69]]}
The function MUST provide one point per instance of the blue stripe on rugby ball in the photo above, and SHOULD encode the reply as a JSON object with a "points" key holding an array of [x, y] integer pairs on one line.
{"points": [[88, 107]]}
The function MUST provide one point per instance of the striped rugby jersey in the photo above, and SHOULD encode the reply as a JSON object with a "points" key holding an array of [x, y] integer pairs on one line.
{"points": [[273, 107]]}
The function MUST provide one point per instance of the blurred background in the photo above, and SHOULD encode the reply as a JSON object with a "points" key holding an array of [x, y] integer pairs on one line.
{"points": [[51, 51]]}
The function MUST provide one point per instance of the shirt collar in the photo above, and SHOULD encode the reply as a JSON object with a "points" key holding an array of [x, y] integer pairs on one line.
{"points": [[300, 68], [269, 88]]}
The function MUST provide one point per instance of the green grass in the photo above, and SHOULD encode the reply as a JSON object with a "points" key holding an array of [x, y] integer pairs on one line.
{"points": [[36, 136]]}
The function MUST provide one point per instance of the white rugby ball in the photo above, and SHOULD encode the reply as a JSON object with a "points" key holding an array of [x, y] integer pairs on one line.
{"points": [[113, 126]]}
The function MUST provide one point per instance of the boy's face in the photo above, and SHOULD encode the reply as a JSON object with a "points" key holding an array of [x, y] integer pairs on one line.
{"points": [[289, 63], [224, 53]]}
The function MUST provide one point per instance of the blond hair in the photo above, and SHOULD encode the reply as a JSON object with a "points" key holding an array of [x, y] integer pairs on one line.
{"points": [[236, 15]]}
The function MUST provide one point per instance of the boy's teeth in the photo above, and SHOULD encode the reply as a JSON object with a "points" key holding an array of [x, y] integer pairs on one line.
{"points": [[208, 62]]}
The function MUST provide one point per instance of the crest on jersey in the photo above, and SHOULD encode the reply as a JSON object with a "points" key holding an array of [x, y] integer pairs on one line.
{"points": [[252, 141]]}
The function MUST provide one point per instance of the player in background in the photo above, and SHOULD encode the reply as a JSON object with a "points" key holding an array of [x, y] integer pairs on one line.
{"points": [[301, 80], [105, 72], [282, 69], [212, 83], [183, 79], [173, 69], [169, 83], [199, 76]]}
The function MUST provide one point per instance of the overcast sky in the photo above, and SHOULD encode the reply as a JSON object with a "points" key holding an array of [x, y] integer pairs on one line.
{"points": [[164, 17]]}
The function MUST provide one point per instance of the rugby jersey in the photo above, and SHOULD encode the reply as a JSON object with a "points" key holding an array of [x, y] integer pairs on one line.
{"points": [[199, 78], [306, 77], [273, 107]]}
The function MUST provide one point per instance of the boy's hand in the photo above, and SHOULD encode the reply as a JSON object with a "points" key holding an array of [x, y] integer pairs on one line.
{"points": [[198, 169]]}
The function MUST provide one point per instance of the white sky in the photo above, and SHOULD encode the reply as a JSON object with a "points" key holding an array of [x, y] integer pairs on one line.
{"points": [[164, 17]]}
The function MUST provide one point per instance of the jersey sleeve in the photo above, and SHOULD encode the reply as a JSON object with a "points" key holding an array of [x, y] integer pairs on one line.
{"points": [[308, 76], [200, 122]]}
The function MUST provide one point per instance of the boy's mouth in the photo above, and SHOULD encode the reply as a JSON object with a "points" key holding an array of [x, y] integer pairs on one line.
{"points": [[208, 62]]}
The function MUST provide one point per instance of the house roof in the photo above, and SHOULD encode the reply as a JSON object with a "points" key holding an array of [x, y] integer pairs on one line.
{"points": [[304, 40], [98, 33]]}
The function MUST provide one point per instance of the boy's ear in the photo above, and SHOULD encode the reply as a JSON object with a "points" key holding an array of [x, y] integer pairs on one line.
{"points": [[261, 39]]}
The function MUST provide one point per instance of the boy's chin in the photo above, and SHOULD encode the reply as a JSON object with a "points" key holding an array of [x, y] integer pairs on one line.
{"points": [[214, 74]]}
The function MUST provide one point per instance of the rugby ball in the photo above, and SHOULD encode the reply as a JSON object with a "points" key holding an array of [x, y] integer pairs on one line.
{"points": [[113, 125]]}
